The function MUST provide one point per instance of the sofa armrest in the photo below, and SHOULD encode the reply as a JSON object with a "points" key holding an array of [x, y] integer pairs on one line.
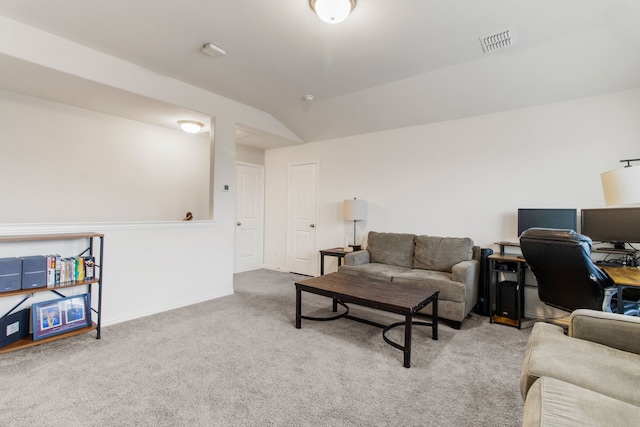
{"points": [[610, 329], [466, 272], [357, 258]]}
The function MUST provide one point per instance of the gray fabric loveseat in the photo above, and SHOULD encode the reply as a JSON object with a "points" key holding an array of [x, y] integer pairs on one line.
{"points": [[590, 377], [448, 264]]}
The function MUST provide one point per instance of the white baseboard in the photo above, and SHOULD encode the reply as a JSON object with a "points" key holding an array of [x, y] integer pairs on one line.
{"points": [[160, 309]]}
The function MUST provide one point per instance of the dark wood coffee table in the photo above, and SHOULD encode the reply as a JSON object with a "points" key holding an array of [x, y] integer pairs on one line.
{"points": [[402, 299]]}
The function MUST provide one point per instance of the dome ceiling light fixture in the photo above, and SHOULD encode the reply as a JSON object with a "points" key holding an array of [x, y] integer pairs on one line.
{"points": [[332, 11], [190, 126]]}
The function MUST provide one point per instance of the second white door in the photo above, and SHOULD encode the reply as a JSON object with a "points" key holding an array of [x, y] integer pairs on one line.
{"points": [[249, 217]]}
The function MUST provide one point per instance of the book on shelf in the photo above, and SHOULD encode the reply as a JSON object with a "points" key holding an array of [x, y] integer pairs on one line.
{"points": [[57, 272], [53, 270], [79, 265], [68, 270], [89, 268], [71, 263]]}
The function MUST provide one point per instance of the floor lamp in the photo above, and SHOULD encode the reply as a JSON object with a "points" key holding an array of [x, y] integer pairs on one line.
{"points": [[355, 210], [621, 187]]}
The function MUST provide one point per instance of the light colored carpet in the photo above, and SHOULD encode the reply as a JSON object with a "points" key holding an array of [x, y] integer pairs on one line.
{"points": [[239, 361]]}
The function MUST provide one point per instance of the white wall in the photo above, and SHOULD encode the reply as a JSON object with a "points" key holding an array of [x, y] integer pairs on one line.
{"points": [[61, 164], [183, 262], [148, 267], [151, 267], [249, 154], [464, 177]]}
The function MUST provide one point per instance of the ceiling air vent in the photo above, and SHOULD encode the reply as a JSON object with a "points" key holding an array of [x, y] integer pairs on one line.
{"points": [[497, 41]]}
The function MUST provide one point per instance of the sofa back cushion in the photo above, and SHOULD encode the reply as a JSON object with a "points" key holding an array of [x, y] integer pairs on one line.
{"points": [[441, 253], [391, 248]]}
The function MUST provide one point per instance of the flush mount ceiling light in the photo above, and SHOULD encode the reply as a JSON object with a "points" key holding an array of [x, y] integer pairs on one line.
{"points": [[332, 11], [190, 126]]}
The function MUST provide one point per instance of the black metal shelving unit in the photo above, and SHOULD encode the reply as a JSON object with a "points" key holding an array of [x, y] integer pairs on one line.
{"points": [[94, 286]]}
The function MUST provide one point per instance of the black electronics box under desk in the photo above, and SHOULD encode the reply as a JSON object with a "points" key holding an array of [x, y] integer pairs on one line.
{"points": [[507, 300]]}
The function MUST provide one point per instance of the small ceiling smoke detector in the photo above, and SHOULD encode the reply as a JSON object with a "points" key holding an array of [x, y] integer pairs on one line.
{"points": [[308, 98], [213, 50], [497, 41]]}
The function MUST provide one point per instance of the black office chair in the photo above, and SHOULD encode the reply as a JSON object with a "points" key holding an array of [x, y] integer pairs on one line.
{"points": [[567, 277]]}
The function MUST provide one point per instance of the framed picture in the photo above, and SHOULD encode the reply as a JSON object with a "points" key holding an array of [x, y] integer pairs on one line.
{"points": [[60, 315]]}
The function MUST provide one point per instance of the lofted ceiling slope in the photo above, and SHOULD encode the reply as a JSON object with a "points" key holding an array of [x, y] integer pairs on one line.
{"points": [[389, 65]]}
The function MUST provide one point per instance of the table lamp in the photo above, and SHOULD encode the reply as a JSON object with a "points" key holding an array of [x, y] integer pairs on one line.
{"points": [[355, 210]]}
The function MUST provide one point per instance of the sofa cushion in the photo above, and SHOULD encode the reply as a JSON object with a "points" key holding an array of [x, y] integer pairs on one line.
{"points": [[605, 370], [441, 253], [551, 402], [434, 281], [373, 270], [391, 248]]}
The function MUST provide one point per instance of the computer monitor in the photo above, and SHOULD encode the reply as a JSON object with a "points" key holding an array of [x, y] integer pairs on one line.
{"points": [[614, 225], [566, 219]]}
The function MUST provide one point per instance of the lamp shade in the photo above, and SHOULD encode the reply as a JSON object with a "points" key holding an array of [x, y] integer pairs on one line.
{"points": [[621, 187], [355, 210]]}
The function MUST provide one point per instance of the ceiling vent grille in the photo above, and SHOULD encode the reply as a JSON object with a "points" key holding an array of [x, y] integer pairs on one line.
{"points": [[497, 41]]}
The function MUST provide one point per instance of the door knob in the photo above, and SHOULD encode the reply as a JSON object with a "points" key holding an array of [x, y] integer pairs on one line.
{"points": [[238, 224], [312, 225]]}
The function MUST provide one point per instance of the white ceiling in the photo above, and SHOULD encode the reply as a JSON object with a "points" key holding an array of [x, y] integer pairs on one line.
{"points": [[390, 64]]}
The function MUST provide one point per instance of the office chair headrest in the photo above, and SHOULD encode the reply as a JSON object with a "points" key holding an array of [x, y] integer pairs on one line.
{"points": [[558, 235]]}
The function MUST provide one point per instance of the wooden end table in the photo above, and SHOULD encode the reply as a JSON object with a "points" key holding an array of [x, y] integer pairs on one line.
{"points": [[336, 252]]}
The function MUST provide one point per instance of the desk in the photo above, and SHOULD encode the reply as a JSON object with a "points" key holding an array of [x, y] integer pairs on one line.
{"points": [[503, 244], [623, 277], [336, 252]]}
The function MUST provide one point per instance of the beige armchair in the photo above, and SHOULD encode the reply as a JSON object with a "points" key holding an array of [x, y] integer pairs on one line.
{"points": [[590, 376]]}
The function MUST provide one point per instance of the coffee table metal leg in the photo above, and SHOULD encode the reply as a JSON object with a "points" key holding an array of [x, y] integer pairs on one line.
{"points": [[407, 342], [298, 308], [434, 320]]}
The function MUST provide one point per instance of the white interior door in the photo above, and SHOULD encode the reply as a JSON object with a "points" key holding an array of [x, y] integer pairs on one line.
{"points": [[249, 217], [301, 228]]}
